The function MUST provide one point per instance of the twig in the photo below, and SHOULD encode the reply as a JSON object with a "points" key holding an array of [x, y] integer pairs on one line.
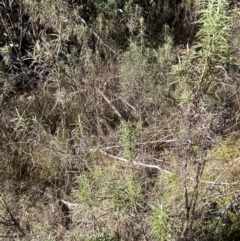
{"points": [[157, 141], [124, 101], [112, 106]]}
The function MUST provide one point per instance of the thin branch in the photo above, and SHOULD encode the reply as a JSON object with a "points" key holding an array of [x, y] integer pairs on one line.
{"points": [[124, 101], [110, 103], [157, 141]]}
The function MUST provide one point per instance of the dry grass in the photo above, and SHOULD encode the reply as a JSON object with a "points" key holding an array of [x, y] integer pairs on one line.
{"points": [[104, 137]]}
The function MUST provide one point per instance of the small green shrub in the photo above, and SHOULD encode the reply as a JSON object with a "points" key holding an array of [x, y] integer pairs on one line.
{"points": [[129, 133], [159, 222], [91, 187], [212, 51], [101, 237], [124, 194]]}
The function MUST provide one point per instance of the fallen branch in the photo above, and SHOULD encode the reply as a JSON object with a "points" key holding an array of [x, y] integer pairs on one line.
{"points": [[69, 205], [135, 163], [159, 168]]}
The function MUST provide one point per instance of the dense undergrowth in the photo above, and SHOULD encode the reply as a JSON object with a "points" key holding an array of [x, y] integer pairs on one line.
{"points": [[119, 120]]}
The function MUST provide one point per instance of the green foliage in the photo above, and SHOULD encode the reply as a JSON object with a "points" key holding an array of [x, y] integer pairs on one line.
{"points": [[79, 127], [226, 151], [134, 69], [164, 53], [124, 194], [211, 52], [142, 72], [84, 191], [101, 237], [215, 27], [185, 97], [91, 188], [49, 238], [98, 189], [160, 225], [129, 133]]}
